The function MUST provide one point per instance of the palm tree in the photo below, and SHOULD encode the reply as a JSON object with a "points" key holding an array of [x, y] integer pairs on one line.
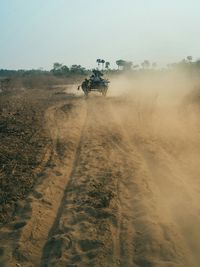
{"points": [[107, 65], [102, 62], [98, 61]]}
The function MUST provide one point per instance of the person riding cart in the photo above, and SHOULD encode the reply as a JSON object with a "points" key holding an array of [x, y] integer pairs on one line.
{"points": [[95, 83], [96, 77]]}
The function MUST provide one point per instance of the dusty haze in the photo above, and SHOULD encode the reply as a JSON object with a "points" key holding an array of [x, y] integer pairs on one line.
{"points": [[118, 183], [160, 113]]}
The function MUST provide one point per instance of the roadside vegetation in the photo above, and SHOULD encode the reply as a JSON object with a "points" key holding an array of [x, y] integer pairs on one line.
{"points": [[62, 74]]}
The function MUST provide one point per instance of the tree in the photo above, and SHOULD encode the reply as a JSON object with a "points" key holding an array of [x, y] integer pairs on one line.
{"points": [[59, 69], [189, 58], [128, 65], [64, 69], [98, 61], [102, 62], [77, 69], [57, 65], [146, 64], [125, 65], [107, 65], [120, 63]]}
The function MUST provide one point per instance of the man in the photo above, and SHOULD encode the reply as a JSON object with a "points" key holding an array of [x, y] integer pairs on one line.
{"points": [[96, 76]]}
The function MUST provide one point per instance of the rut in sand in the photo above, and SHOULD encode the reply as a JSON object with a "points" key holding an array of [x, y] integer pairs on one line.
{"points": [[104, 197]]}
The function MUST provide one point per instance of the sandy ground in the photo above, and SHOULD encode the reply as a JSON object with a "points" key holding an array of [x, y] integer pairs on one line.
{"points": [[120, 188]]}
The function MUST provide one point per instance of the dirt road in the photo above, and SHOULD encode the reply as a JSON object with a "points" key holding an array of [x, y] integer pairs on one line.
{"points": [[118, 190]]}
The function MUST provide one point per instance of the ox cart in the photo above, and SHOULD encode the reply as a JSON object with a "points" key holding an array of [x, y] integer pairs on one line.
{"points": [[95, 83]]}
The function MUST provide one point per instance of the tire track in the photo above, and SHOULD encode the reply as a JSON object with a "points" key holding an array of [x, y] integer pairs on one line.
{"points": [[48, 194], [47, 250], [108, 216], [152, 240], [86, 229]]}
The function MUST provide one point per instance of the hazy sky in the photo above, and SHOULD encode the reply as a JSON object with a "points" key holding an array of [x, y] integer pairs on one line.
{"points": [[36, 33]]}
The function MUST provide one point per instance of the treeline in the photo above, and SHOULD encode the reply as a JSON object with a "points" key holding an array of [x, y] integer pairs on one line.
{"points": [[61, 70], [57, 70], [186, 63]]}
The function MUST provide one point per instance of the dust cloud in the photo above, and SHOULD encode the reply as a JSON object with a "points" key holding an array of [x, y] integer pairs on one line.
{"points": [[160, 114], [125, 187]]}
